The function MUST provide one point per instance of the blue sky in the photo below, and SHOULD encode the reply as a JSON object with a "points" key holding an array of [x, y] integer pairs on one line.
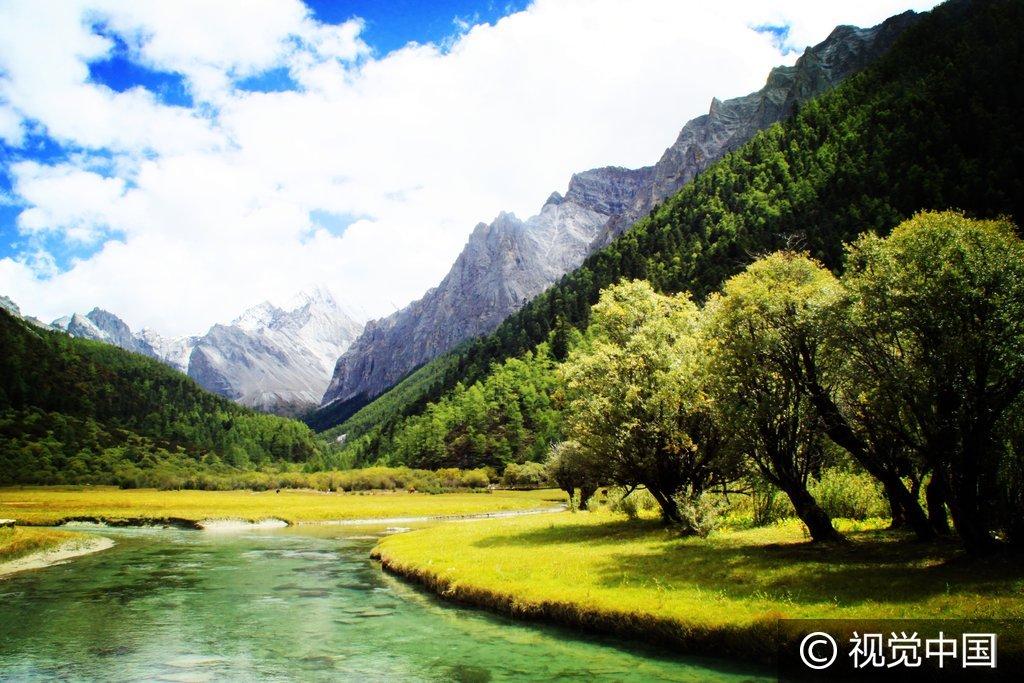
{"points": [[388, 26], [393, 23]]}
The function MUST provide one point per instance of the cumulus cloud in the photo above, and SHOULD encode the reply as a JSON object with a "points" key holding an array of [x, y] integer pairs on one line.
{"points": [[197, 212]]}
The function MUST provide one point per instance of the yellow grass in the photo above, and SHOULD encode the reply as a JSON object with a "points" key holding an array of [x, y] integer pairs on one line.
{"points": [[719, 594], [17, 542], [51, 505]]}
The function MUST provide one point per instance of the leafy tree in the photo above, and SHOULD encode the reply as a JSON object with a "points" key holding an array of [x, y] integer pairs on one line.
{"points": [[573, 468], [935, 321], [633, 401], [756, 331], [529, 475]]}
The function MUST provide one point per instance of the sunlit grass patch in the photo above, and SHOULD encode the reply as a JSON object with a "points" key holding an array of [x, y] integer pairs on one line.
{"points": [[603, 571], [18, 542], [50, 505]]}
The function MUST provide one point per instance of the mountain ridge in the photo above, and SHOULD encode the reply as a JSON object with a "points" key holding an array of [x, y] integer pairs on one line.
{"points": [[599, 204]]}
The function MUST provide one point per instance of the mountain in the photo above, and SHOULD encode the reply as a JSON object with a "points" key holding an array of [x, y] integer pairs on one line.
{"points": [[104, 326], [269, 358], [12, 308], [174, 351], [275, 359], [76, 411], [509, 261], [932, 125]]}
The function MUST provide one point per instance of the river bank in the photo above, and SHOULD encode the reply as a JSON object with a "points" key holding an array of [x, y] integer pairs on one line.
{"points": [[725, 596], [24, 549]]}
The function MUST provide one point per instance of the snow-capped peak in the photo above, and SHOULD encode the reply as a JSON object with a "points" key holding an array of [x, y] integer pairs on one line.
{"points": [[257, 318], [317, 294]]}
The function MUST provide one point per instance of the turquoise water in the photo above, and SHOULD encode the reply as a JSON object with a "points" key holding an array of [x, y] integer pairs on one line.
{"points": [[283, 605]]}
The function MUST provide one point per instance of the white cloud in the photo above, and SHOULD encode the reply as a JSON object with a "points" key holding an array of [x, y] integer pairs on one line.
{"points": [[11, 130], [212, 205], [67, 200]]}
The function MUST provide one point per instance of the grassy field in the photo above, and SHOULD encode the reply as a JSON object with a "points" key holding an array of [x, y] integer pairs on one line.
{"points": [[17, 542], [50, 505], [724, 594]]}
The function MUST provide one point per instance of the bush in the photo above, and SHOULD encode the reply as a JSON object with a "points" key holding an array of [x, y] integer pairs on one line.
{"points": [[853, 495], [475, 479], [702, 514], [631, 505], [769, 505], [529, 475]]}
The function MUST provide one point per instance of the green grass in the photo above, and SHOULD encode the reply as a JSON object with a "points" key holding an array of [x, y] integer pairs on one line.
{"points": [[50, 505], [17, 542], [724, 594]]}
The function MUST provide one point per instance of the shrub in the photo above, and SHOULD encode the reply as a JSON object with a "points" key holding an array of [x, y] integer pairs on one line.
{"points": [[853, 495], [768, 504], [475, 479], [703, 514], [529, 475], [631, 505]]}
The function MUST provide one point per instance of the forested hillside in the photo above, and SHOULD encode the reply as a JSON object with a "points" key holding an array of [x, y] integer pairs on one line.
{"points": [[73, 410], [933, 125]]}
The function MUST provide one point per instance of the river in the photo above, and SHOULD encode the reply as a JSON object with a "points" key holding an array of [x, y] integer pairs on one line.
{"points": [[302, 603]]}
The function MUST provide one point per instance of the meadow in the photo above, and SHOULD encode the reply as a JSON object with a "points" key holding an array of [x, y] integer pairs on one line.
{"points": [[724, 594], [42, 506]]}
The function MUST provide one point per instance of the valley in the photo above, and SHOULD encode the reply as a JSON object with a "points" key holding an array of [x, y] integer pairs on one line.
{"points": [[682, 419]]}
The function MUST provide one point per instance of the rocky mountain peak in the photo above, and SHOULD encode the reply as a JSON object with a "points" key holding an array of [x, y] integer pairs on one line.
{"points": [[276, 358], [257, 317], [10, 306], [554, 199]]}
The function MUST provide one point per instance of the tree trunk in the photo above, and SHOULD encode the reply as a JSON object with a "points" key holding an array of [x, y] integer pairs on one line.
{"points": [[899, 518], [935, 497], [819, 524], [968, 519], [842, 433], [669, 508], [586, 493], [910, 509]]}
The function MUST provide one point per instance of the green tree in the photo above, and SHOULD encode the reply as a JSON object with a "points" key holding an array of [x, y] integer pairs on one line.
{"points": [[935, 320], [574, 468], [634, 402], [754, 331]]}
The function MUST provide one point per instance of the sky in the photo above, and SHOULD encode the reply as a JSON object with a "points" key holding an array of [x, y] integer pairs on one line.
{"points": [[178, 162]]}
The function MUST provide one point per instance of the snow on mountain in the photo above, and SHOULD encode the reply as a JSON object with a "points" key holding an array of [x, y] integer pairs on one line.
{"points": [[278, 359], [174, 351]]}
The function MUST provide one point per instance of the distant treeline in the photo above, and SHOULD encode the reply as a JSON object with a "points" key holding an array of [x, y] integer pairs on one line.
{"points": [[74, 410]]}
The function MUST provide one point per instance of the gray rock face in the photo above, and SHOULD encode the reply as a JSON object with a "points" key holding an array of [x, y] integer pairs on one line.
{"points": [[172, 350], [504, 265], [508, 262], [274, 359], [8, 305], [730, 124], [104, 326]]}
